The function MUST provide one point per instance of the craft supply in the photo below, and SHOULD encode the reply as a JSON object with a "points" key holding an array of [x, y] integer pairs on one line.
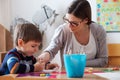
{"points": [[108, 70], [69, 51], [42, 75], [47, 74], [89, 70], [115, 69]]}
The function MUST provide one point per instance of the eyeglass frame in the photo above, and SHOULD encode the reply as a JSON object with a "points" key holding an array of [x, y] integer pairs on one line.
{"points": [[73, 23]]}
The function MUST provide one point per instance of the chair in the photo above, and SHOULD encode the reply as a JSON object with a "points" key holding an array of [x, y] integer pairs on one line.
{"points": [[114, 54]]}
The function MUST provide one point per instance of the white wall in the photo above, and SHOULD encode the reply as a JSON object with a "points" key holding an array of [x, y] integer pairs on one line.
{"points": [[113, 38], [20, 9], [93, 8], [5, 13], [0, 11]]}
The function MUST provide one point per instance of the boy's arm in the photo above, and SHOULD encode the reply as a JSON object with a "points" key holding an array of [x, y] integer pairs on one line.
{"points": [[15, 66]]}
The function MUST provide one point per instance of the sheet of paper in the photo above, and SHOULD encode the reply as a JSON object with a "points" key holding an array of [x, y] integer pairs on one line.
{"points": [[110, 75]]}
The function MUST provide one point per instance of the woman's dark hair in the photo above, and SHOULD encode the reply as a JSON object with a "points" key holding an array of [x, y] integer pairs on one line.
{"points": [[81, 9]]}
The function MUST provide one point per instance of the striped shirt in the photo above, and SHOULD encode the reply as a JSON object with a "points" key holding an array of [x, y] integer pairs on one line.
{"points": [[15, 62]]}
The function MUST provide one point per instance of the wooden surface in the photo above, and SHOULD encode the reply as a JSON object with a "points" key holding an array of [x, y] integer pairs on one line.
{"points": [[114, 54], [2, 55], [2, 38], [87, 76], [6, 41]]}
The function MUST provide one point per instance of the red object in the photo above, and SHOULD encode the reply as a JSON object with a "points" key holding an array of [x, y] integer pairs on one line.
{"points": [[58, 73], [115, 0], [115, 69], [105, 0]]}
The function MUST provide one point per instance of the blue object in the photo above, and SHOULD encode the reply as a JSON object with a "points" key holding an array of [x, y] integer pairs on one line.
{"points": [[75, 65], [47, 74]]}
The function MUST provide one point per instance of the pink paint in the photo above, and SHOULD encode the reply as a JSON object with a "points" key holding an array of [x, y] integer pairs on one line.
{"points": [[52, 76]]}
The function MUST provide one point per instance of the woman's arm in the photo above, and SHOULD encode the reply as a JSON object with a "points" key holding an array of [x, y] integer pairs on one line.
{"points": [[55, 45], [56, 42]]}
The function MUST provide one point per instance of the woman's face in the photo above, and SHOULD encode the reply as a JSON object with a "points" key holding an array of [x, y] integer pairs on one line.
{"points": [[74, 23]]}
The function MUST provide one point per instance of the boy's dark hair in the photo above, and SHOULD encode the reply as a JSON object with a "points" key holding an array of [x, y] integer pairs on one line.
{"points": [[27, 32], [81, 9]]}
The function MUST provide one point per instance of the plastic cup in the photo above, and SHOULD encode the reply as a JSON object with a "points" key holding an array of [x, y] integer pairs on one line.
{"points": [[75, 65]]}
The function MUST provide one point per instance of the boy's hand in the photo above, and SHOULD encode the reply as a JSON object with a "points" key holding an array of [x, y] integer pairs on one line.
{"points": [[39, 66], [52, 66]]}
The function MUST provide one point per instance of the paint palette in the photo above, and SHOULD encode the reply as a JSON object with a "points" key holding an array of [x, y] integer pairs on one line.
{"points": [[48, 71]]}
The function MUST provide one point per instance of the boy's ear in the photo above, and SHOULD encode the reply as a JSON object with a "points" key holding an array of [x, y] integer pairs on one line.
{"points": [[20, 42]]}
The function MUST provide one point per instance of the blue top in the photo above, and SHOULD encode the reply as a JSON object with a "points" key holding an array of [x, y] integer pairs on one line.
{"points": [[15, 62]]}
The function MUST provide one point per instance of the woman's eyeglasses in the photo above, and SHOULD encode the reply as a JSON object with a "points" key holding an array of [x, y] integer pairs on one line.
{"points": [[73, 23]]}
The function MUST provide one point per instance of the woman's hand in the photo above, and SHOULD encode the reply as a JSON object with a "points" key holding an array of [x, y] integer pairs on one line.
{"points": [[44, 57]]}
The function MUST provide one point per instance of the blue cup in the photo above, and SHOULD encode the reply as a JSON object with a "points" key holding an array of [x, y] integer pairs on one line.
{"points": [[75, 65]]}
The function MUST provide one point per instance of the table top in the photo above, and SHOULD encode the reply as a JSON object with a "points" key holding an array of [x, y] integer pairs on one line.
{"points": [[88, 75]]}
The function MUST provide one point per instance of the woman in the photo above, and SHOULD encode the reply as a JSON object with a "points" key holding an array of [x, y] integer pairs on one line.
{"points": [[79, 34]]}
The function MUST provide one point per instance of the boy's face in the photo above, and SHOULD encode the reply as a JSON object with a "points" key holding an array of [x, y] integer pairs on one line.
{"points": [[29, 48]]}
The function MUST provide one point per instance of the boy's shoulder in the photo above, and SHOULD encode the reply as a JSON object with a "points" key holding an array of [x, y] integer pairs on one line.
{"points": [[13, 52]]}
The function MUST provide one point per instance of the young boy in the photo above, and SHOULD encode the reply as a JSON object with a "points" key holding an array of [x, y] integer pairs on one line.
{"points": [[27, 39]]}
